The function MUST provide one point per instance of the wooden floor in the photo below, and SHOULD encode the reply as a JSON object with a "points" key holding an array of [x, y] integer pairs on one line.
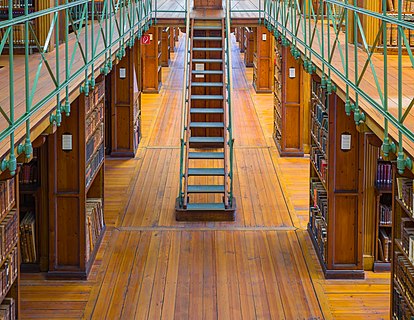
{"points": [[260, 267]]}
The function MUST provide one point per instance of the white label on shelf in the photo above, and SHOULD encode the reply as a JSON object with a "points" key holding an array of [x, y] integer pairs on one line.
{"points": [[292, 72], [66, 142], [122, 73], [264, 36], [345, 141], [199, 67]]}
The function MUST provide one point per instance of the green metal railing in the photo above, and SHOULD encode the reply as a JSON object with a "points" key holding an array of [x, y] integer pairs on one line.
{"points": [[229, 78], [185, 106], [331, 37], [99, 31]]}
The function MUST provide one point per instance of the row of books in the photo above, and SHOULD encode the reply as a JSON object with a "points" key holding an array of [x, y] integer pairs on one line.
{"points": [[94, 222], [29, 173], [318, 93], [18, 35], [137, 133], [7, 196], [9, 232], [407, 232], [319, 197], [321, 164], [384, 245], [8, 309], [400, 310], [406, 5], [9, 270], [319, 232], [403, 275], [27, 238], [405, 193], [385, 214], [94, 97], [392, 36], [95, 141], [15, 3], [384, 174], [94, 120], [94, 164]]}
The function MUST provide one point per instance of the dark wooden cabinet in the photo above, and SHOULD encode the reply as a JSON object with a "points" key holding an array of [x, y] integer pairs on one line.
{"points": [[76, 177], [335, 223], [249, 46], [124, 102], [151, 62], [288, 108], [263, 61]]}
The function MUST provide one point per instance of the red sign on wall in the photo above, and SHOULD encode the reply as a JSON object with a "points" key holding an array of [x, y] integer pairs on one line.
{"points": [[145, 39]]}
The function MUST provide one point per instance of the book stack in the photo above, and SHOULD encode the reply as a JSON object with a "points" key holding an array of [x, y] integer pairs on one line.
{"points": [[94, 222], [94, 121], [403, 275], [7, 196], [385, 214], [28, 173], [8, 271], [405, 193], [8, 309], [384, 239], [384, 174], [27, 238], [319, 160], [8, 232], [94, 164], [401, 309], [95, 141]]}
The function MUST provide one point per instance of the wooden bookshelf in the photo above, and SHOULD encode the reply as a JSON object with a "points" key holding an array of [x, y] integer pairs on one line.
{"points": [[10, 246], [239, 33], [34, 216], [173, 30], [249, 46], [151, 62], [288, 108], [402, 274], [263, 61], [123, 102], [76, 178], [165, 47], [335, 223]]}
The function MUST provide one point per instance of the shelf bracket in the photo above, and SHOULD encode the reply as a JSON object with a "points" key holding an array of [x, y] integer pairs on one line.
{"points": [[388, 147], [403, 163]]}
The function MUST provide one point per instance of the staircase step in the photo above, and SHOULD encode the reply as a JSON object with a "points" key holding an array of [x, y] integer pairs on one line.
{"points": [[207, 27], [206, 71], [213, 206], [207, 49], [205, 189], [206, 140], [206, 155], [207, 60], [207, 38], [206, 84], [206, 172], [207, 97], [206, 110], [206, 125]]}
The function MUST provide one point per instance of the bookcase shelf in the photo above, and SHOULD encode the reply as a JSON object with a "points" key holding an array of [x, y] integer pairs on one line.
{"points": [[165, 47], [403, 245], [151, 64], [76, 184], [287, 103], [334, 219], [263, 61], [249, 45]]}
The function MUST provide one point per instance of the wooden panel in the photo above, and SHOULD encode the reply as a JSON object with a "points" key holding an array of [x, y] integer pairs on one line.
{"points": [[208, 4], [263, 82], [151, 68]]}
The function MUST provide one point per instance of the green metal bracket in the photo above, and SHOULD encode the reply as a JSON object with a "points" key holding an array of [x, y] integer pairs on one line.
{"points": [[348, 107], [85, 88], [66, 108], [25, 148], [359, 116], [330, 87], [295, 52], [56, 118], [10, 164], [323, 82], [285, 41], [388, 147], [403, 163]]}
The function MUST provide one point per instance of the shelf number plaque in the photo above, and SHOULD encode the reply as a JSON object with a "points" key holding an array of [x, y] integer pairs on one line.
{"points": [[345, 141]]}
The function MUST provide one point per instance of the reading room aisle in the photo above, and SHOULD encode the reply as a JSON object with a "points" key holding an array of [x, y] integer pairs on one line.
{"points": [[262, 266]]}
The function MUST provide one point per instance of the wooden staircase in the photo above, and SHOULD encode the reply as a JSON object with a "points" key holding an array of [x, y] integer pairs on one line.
{"points": [[205, 158]]}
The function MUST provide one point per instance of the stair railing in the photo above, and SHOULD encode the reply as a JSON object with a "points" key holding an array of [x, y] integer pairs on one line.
{"points": [[229, 143], [185, 108]]}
